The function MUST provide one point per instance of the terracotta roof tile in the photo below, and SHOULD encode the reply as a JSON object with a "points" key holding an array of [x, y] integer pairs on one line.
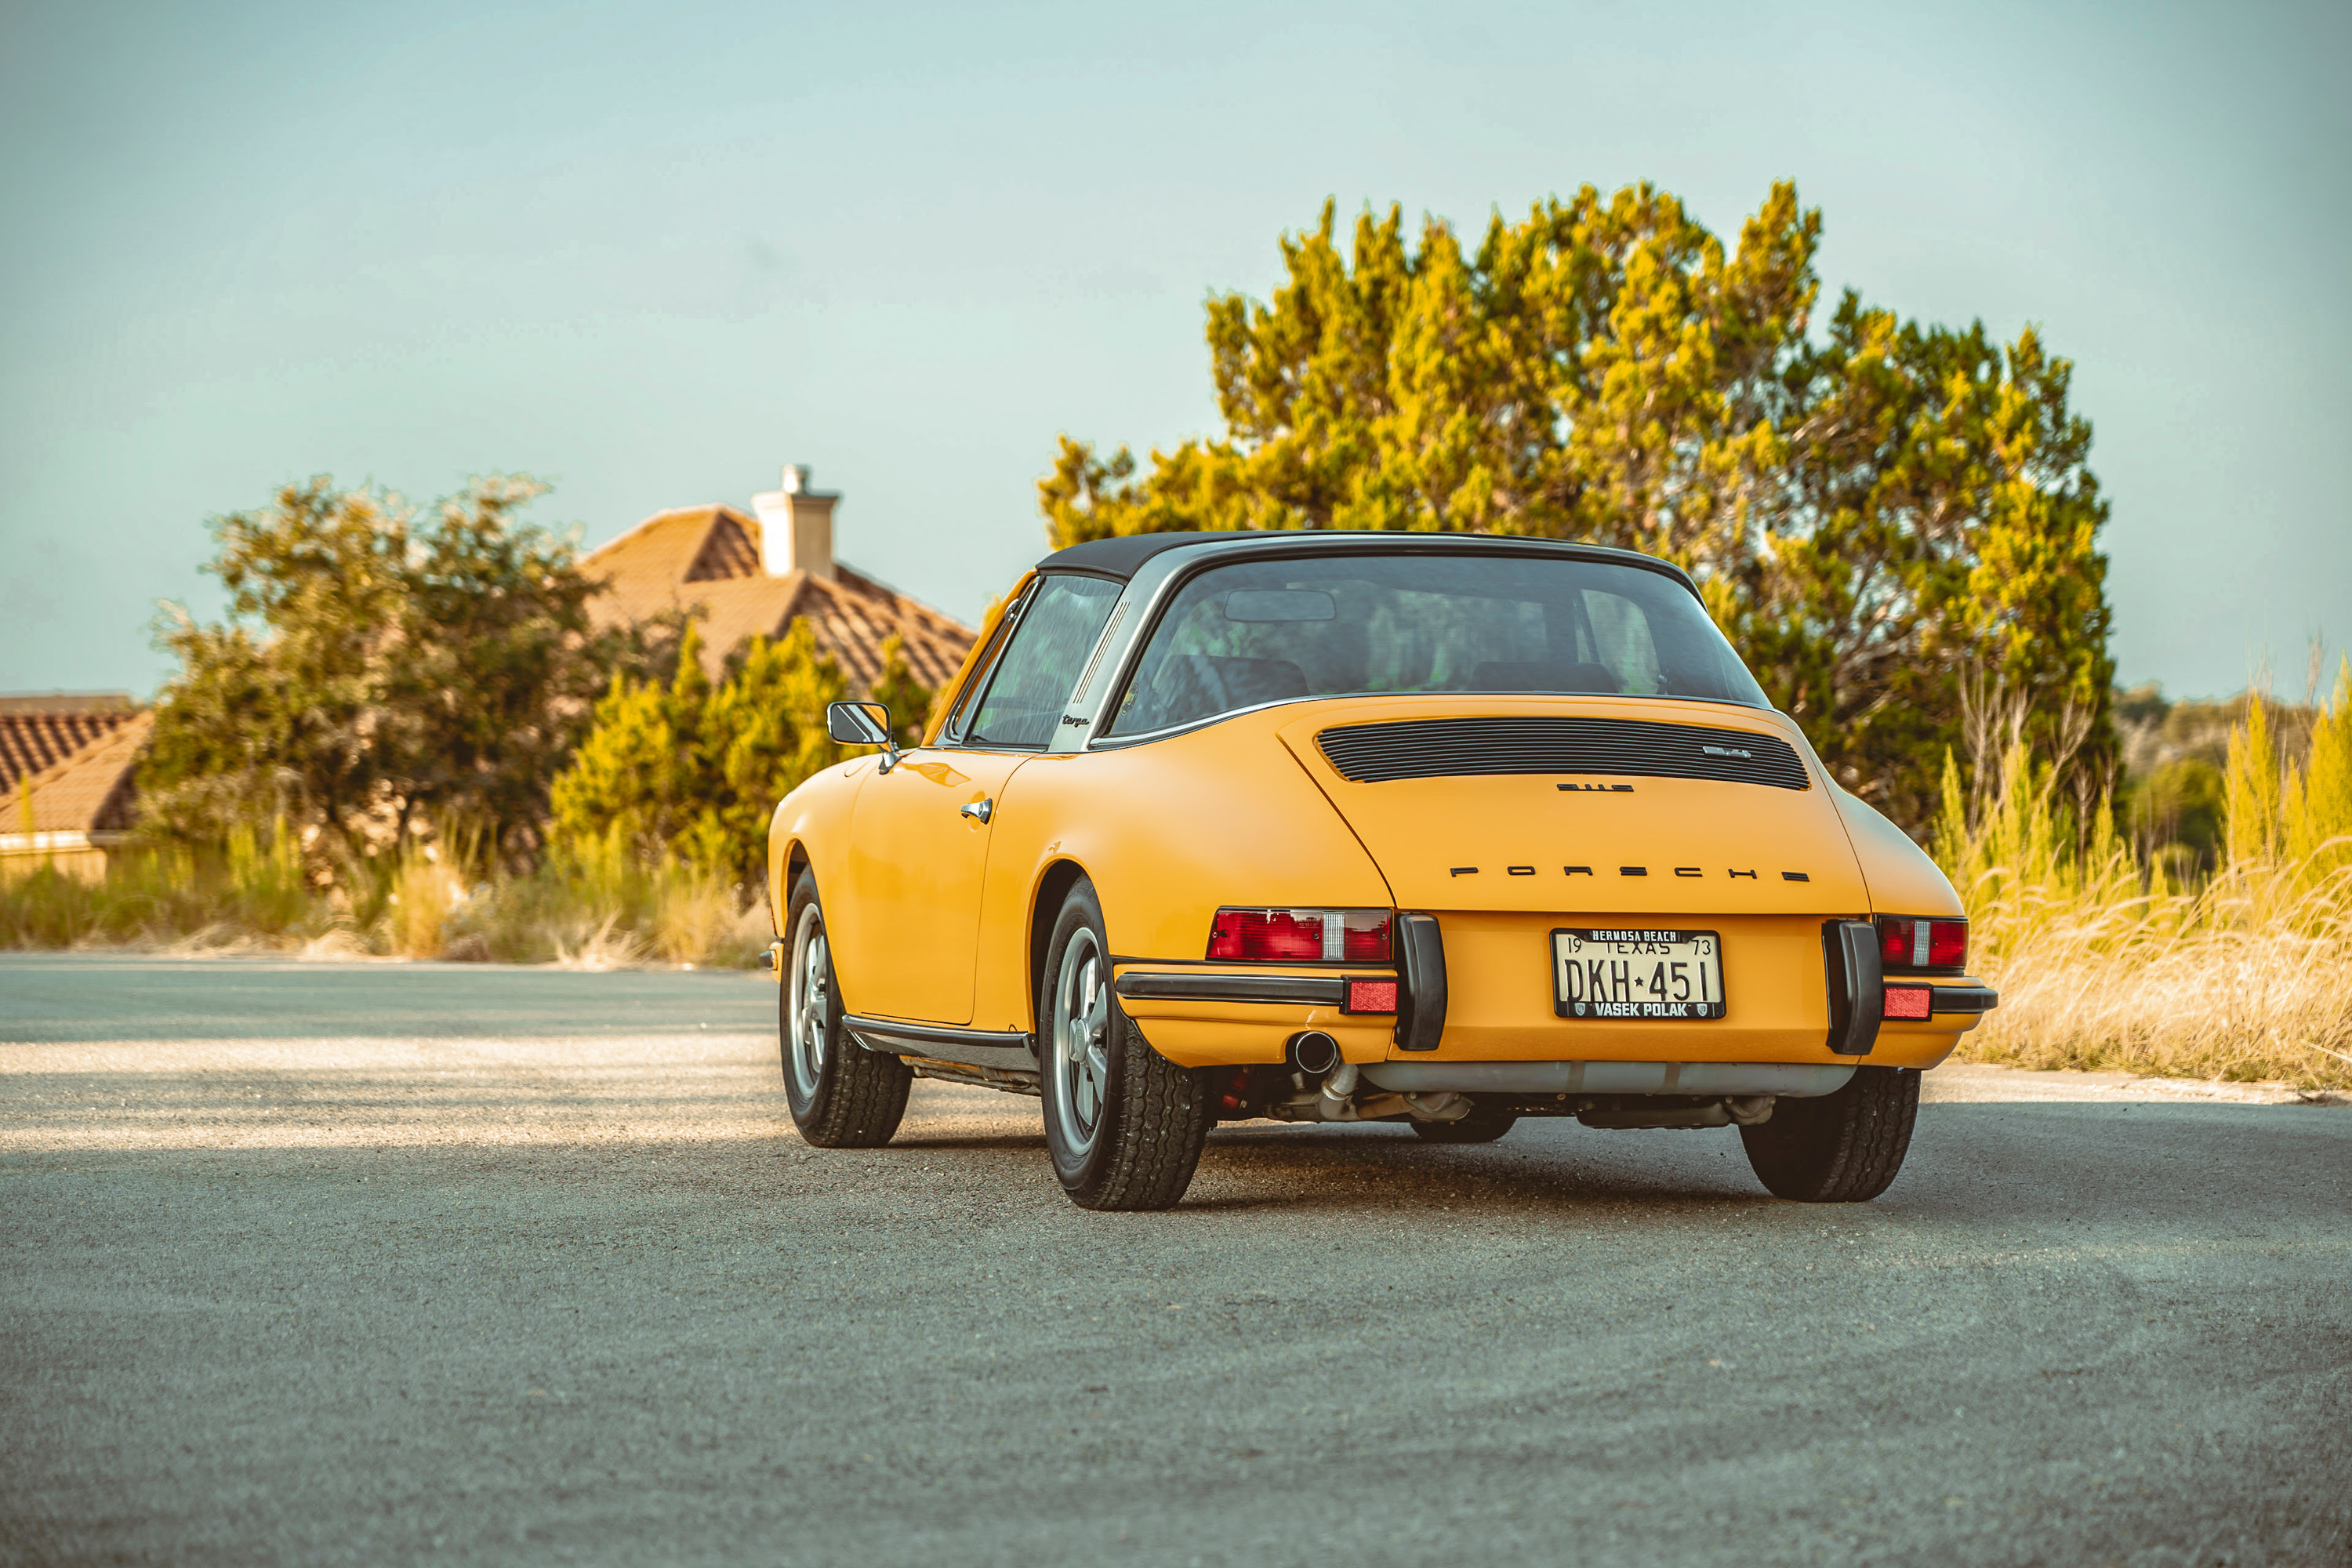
{"points": [[32, 741], [644, 568], [727, 550], [706, 560], [90, 791]]}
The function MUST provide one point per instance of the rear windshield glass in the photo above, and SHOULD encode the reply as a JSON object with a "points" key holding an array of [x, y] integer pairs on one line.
{"points": [[1266, 631]]}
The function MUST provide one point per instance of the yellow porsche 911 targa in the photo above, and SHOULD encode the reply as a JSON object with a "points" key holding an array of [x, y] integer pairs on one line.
{"points": [[1419, 828]]}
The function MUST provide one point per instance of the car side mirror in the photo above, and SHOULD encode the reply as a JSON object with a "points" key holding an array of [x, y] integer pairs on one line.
{"points": [[862, 724]]}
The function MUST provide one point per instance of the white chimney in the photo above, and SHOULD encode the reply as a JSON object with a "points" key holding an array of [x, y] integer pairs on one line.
{"points": [[796, 526]]}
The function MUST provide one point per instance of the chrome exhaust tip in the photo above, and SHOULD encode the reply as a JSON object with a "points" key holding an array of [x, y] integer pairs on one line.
{"points": [[1313, 1052]]}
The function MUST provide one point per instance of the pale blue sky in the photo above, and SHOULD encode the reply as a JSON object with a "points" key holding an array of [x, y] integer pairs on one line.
{"points": [[652, 252]]}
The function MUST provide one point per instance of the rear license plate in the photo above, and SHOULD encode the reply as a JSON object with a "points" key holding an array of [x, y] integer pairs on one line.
{"points": [[1635, 973]]}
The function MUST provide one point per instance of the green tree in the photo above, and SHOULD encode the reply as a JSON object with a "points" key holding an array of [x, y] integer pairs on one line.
{"points": [[689, 772], [2178, 804], [381, 666], [1874, 513], [908, 699], [763, 733], [633, 776]]}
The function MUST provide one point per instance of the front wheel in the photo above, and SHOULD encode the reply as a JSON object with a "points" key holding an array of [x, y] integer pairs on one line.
{"points": [[1124, 1123], [1842, 1148], [842, 1094]]}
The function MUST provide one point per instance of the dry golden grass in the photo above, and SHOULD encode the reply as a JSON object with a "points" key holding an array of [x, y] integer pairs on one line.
{"points": [[697, 919], [427, 889], [2217, 983], [600, 909], [2102, 963], [601, 945]]}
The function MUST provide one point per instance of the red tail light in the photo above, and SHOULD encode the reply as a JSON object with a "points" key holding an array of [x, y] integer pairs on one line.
{"points": [[1300, 936], [1922, 944]]}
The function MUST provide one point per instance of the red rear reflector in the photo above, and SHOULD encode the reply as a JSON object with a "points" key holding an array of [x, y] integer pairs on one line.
{"points": [[1910, 1001], [1371, 996], [1300, 936], [1948, 944]]}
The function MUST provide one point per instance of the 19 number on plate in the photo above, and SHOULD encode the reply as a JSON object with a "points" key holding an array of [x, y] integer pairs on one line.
{"points": [[1597, 973]]}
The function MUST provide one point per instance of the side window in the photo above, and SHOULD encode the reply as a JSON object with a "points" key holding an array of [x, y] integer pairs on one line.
{"points": [[960, 718], [1032, 683]]}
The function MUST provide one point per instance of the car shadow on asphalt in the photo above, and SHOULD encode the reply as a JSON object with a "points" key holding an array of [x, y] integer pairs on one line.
{"points": [[2188, 1165], [1527, 1173], [955, 1142]]}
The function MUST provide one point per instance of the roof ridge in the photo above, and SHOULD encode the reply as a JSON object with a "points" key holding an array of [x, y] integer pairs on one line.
{"points": [[665, 515]]}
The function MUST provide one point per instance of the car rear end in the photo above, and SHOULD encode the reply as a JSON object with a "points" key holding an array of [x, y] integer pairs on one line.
{"points": [[1620, 884]]}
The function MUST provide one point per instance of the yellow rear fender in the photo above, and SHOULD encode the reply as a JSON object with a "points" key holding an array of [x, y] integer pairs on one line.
{"points": [[1901, 878], [1167, 833]]}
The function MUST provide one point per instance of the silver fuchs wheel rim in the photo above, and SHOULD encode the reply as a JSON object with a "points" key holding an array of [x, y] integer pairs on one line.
{"points": [[810, 1007], [1081, 1041]]}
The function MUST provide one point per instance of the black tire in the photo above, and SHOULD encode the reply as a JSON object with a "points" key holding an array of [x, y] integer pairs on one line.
{"points": [[1475, 1128], [1124, 1124], [1842, 1148], [842, 1094]]}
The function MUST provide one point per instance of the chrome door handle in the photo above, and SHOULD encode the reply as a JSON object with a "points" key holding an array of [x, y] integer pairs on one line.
{"points": [[978, 810]]}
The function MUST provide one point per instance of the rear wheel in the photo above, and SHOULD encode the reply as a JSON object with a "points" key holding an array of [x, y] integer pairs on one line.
{"points": [[842, 1094], [1124, 1123], [1474, 1128], [1842, 1148]]}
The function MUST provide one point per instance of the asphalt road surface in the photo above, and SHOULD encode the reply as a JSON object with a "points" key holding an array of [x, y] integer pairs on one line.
{"points": [[369, 1263]]}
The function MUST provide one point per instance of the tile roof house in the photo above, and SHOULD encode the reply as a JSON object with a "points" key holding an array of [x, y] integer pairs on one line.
{"points": [[752, 575], [68, 763]]}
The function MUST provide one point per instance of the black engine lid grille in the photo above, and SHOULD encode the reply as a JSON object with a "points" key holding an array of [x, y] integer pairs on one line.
{"points": [[1455, 748]]}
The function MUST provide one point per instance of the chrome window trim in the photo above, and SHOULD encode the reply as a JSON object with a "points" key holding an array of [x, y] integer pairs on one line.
{"points": [[1072, 732], [1138, 610], [1062, 727], [951, 733]]}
